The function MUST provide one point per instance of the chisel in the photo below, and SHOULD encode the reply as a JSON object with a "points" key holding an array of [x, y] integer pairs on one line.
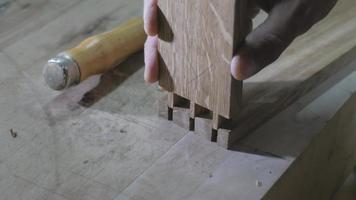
{"points": [[94, 55]]}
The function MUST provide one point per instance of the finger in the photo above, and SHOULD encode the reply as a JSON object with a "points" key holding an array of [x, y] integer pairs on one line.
{"points": [[252, 9], [267, 42], [150, 17], [151, 61], [266, 5]]}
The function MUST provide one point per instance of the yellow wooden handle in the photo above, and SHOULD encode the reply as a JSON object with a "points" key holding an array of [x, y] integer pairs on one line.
{"points": [[100, 53]]}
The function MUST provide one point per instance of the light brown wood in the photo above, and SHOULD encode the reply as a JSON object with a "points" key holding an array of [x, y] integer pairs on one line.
{"points": [[310, 60], [100, 53], [325, 164], [197, 42], [124, 147]]}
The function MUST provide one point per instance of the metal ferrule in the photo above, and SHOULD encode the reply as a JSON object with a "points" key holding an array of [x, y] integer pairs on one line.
{"points": [[61, 72]]}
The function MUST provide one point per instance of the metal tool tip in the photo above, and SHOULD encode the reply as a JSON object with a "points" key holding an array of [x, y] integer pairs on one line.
{"points": [[61, 72]]}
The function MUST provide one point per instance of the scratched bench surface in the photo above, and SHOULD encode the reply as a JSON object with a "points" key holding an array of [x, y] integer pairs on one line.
{"points": [[103, 140]]}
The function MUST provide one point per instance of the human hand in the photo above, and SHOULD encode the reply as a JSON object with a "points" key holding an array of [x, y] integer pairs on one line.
{"points": [[151, 51], [287, 19]]}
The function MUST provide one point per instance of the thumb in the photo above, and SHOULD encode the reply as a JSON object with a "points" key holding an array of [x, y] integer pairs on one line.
{"points": [[263, 45]]}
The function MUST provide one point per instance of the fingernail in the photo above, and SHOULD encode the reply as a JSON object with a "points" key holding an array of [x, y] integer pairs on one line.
{"points": [[242, 68]]}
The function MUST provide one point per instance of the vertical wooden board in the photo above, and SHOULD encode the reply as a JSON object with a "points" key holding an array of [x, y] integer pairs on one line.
{"points": [[196, 46]]}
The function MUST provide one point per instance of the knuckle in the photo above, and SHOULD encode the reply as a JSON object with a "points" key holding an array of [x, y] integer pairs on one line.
{"points": [[266, 48], [275, 44], [253, 9], [303, 14]]}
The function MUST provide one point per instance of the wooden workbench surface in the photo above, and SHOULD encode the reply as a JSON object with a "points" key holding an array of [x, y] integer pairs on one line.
{"points": [[103, 139]]}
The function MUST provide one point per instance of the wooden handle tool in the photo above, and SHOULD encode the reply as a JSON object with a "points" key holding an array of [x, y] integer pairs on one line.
{"points": [[95, 55]]}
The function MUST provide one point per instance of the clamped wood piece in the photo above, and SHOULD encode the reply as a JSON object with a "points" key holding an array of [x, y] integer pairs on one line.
{"points": [[197, 40]]}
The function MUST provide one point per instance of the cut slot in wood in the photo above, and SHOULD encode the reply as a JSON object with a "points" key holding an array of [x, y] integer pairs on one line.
{"points": [[194, 37], [197, 39]]}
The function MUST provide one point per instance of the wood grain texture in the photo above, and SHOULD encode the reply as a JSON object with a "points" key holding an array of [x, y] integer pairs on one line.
{"points": [[102, 52], [72, 146], [18, 18], [69, 29], [310, 60], [325, 164], [197, 42]]}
